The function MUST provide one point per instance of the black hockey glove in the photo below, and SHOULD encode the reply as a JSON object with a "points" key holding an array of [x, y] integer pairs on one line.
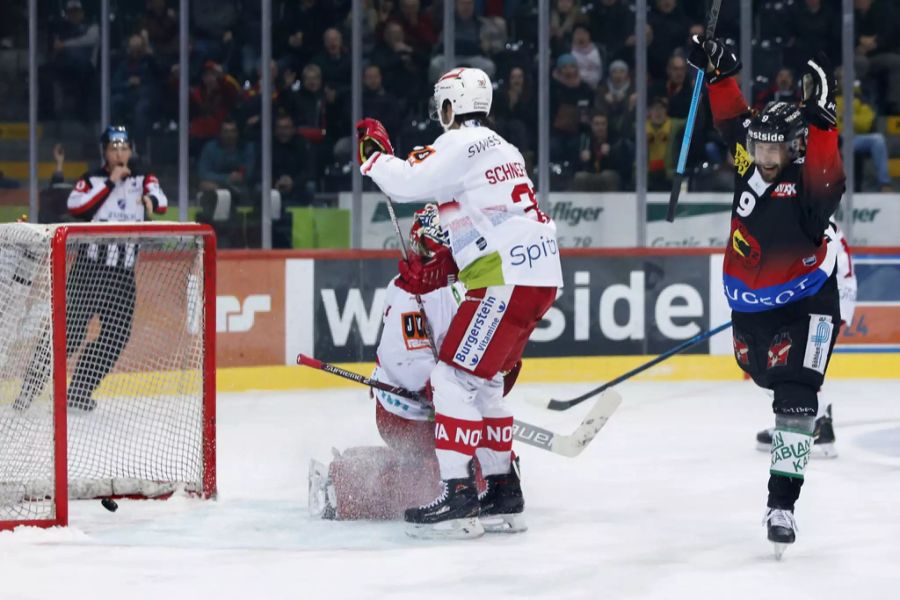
{"points": [[819, 106], [717, 60]]}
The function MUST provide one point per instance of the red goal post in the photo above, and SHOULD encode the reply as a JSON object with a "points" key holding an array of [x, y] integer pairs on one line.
{"points": [[107, 365]]}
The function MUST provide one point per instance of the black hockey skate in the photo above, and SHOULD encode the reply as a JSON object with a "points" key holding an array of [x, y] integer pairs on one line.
{"points": [[453, 514], [79, 398], [502, 503], [781, 528], [823, 437]]}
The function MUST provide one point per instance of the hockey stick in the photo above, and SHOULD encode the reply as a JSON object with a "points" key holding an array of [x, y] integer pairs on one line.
{"points": [[712, 21], [703, 335], [564, 445], [428, 331]]}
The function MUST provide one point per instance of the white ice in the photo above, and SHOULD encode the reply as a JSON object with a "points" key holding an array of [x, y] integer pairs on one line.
{"points": [[667, 502]]}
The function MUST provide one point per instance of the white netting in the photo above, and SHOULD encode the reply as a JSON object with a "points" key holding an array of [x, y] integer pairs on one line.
{"points": [[135, 345]]}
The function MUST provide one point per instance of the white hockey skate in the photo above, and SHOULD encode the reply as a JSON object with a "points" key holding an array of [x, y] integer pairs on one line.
{"points": [[322, 498]]}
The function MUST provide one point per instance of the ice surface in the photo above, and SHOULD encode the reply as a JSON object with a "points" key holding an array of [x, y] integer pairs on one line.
{"points": [[667, 502]]}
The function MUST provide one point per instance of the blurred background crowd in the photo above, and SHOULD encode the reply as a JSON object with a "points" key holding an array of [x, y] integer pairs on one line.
{"points": [[592, 91]]}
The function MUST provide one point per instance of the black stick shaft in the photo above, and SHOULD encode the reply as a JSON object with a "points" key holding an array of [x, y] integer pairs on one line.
{"points": [[565, 404]]}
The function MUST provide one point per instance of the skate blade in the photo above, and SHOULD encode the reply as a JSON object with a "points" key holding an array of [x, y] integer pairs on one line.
{"points": [[454, 529], [824, 451], [779, 549], [317, 499], [508, 523]]}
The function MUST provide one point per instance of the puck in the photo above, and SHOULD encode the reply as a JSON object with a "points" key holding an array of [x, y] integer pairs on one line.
{"points": [[109, 504]]}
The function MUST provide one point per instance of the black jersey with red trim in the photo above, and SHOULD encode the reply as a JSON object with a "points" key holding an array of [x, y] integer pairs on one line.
{"points": [[776, 253], [97, 198]]}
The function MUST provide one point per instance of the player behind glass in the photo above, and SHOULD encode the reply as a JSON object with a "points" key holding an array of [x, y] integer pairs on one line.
{"points": [[505, 252], [101, 280], [823, 434], [779, 271], [381, 482]]}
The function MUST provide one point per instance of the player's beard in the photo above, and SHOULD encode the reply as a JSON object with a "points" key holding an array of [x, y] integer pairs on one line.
{"points": [[769, 173]]}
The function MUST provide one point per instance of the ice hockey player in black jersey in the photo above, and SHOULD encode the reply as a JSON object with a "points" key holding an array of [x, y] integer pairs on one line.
{"points": [[779, 270], [101, 280]]}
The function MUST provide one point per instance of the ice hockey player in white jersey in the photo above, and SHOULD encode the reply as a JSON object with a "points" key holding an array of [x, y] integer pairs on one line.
{"points": [[505, 252], [381, 482], [823, 435]]}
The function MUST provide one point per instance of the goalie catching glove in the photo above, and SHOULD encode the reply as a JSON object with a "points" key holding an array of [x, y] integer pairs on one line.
{"points": [[371, 137], [417, 277], [819, 105], [713, 57]]}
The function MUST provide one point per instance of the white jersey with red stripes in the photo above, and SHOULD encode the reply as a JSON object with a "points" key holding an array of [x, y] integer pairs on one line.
{"points": [[404, 355], [498, 234], [97, 198]]}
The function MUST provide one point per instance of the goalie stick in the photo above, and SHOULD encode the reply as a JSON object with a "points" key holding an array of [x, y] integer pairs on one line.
{"points": [[565, 445], [703, 335]]}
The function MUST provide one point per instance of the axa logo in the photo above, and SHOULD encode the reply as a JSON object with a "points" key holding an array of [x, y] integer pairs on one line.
{"points": [[785, 190], [233, 317]]}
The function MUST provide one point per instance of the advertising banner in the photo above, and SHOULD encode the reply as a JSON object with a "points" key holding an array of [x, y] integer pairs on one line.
{"points": [[582, 220], [611, 305]]}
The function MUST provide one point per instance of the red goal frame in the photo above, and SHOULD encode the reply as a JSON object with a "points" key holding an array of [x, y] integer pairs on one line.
{"points": [[58, 251]]}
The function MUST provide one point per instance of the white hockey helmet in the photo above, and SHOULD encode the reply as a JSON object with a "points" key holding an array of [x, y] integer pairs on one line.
{"points": [[468, 90]]}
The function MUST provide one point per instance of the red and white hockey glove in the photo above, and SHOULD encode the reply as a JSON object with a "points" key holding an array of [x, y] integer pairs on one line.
{"points": [[509, 378], [420, 278], [371, 137]]}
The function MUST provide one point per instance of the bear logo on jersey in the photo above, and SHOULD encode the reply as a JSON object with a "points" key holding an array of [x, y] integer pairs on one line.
{"points": [[744, 245], [779, 350]]}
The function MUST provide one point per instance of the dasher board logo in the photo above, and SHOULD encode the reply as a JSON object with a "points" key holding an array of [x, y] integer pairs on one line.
{"points": [[234, 316], [819, 340]]}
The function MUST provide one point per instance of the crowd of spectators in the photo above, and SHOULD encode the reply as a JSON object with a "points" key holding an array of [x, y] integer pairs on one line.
{"points": [[592, 95]]}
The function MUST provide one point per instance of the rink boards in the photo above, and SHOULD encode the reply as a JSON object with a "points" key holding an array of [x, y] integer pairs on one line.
{"points": [[618, 308]]}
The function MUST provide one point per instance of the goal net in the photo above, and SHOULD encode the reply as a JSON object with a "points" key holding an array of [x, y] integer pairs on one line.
{"points": [[107, 378]]}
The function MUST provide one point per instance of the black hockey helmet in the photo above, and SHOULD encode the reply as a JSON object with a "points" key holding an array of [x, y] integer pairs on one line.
{"points": [[778, 122], [114, 134]]}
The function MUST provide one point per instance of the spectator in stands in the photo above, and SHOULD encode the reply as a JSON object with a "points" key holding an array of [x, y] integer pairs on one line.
{"points": [[613, 28], [470, 35], [515, 111], [293, 167], [605, 163], [251, 102], [814, 28], [660, 155], [298, 30], [785, 88], [227, 162], [379, 103], [53, 201], [616, 99], [564, 15], [418, 27], [677, 89], [73, 60], [213, 23], [135, 88], [212, 101], [159, 27], [590, 65], [570, 105], [402, 68], [334, 60], [867, 143], [878, 48], [670, 31]]}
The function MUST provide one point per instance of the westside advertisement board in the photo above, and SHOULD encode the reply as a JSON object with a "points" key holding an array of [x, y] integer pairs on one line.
{"points": [[611, 305]]}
